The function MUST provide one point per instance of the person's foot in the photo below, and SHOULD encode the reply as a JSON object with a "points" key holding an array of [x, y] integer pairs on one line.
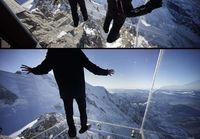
{"points": [[72, 132], [84, 128], [105, 30], [111, 40], [85, 18], [75, 24]]}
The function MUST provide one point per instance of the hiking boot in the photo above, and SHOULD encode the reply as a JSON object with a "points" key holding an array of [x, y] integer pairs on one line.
{"points": [[113, 38], [72, 132], [84, 128], [105, 29], [76, 21], [85, 18], [75, 24]]}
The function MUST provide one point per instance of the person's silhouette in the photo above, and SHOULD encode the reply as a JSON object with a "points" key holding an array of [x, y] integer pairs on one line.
{"points": [[68, 67], [73, 5], [118, 10]]}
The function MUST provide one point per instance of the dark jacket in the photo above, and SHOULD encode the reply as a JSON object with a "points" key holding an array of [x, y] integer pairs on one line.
{"points": [[68, 67], [124, 7], [119, 7], [144, 9]]}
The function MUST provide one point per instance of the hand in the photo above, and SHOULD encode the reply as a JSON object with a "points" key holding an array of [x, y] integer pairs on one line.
{"points": [[111, 72], [26, 68]]}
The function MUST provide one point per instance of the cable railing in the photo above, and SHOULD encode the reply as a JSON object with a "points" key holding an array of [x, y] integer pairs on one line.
{"points": [[114, 130], [101, 129]]}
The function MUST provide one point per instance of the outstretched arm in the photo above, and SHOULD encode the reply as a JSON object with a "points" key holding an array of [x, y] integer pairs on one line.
{"points": [[145, 9], [26, 69], [43, 68], [94, 68]]}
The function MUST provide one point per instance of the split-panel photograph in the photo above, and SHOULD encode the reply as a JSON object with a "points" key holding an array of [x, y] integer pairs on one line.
{"points": [[99, 69], [99, 93], [100, 24]]}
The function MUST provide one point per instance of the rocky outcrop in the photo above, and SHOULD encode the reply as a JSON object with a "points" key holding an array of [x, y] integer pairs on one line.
{"points": [[52, 26], [6, 96], [43, 123]]}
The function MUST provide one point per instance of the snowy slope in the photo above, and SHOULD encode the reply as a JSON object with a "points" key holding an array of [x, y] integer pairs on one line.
{"points": [[172, 113], [39, 94], [36, 95], [178, 24]]}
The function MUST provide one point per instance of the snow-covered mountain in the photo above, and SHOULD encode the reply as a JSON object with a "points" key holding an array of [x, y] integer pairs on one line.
{"points": [[34, 95], [179, 21], [30, 104], [176, 24], [37, 95], [172, 114], [195, 85]]}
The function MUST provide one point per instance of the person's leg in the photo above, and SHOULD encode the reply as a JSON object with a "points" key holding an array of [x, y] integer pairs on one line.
{"points": [[83, 9], [114, 32], [82, 109], [68, 105], [107, 22], [73, 5], [145, 9]]}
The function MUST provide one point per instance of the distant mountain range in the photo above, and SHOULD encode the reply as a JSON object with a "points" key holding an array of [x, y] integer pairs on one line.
{"points": [[27, 97], [195, 85], [36, 95]]}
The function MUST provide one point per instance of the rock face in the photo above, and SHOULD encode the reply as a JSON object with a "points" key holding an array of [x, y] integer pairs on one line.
{"points": [[52, 25], [43, 123], [184, 15], [6, 96]]}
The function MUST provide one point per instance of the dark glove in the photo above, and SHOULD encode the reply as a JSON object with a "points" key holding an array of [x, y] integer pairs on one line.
{"points": [[153, 4], [145, 9]]}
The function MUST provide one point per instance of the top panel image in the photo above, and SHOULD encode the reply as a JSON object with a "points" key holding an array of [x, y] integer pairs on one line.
{"points": [[100, 24]]}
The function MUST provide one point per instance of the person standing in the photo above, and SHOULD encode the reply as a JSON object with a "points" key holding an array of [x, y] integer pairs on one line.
{"points": [[68, 67], [118, 10], [73, 5]]}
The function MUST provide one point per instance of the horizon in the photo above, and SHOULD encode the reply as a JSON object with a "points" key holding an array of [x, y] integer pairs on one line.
{"points": [[133, 68], [144, 89], [111, 89]]}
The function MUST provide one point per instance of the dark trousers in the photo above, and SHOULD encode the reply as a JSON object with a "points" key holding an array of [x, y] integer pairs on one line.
{"points": [[118, 21], [68, 104], [73, 5]]}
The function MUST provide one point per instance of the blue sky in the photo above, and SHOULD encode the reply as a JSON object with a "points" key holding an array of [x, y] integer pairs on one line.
{"points": [[133, 68]]}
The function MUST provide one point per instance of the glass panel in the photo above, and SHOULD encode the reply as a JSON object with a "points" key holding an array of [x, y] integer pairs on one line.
{"points": [[174, 108], [115, 105], [175, 24]]}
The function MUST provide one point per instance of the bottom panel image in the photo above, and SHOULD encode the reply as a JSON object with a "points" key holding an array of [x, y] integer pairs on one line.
{"points": [[100, 94]]}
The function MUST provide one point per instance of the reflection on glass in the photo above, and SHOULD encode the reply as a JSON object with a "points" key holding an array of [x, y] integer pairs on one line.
{"points": [[174, 108], [127, 105]]}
